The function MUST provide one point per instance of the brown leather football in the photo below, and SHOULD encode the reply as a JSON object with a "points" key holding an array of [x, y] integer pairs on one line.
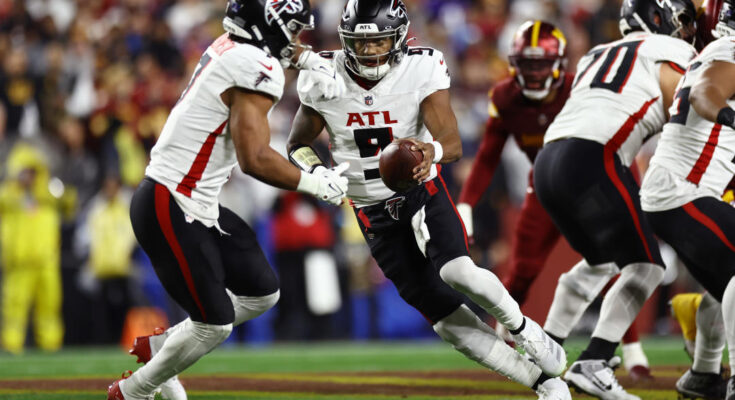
{"points": [[396, 165]]}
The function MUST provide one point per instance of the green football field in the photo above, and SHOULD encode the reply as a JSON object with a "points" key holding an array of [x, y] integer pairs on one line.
{"points": [[428, 370]]}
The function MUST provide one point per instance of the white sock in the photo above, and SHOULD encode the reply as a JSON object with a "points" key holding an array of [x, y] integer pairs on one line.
{"points": [[574, 293], [484, 289], [478, 342], [633, 355], [728, 317], [625, 299], [183, 347], [710, 339]]}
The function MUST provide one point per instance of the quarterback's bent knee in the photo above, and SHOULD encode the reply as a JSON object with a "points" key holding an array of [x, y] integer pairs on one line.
{"points": [[458, 273]]}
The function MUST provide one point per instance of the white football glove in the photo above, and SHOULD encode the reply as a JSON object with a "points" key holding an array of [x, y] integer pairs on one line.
{"points": [[325, 184], [320, 73], [465, 212]]}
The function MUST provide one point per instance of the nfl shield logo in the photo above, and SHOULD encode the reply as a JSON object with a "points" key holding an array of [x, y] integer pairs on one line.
{"points": [[369, 100]]}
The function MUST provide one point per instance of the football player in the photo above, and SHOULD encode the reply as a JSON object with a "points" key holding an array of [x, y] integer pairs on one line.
{"points": [[582, 174], [688, 173], [206, 257], [523, 106], [417, 238]]}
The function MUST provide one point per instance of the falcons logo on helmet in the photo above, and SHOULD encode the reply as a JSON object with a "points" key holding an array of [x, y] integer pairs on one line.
{"points": [[393, 205], [279, 6], [397, 9]]}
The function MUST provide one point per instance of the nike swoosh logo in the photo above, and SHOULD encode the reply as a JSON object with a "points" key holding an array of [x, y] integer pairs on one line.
{"points": [[268, 67], [339, 191]]}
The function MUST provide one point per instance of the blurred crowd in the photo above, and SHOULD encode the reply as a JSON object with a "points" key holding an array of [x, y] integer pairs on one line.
{"points": [[85, 87]]}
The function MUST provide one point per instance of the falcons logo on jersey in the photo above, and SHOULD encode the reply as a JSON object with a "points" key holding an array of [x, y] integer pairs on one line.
{"points": [[393, 205], [279, 6]]}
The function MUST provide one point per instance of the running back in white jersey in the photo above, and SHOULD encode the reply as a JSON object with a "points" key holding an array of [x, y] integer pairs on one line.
{"points": [[694, 157], [362, 122], [617, 93], [194, 154]]}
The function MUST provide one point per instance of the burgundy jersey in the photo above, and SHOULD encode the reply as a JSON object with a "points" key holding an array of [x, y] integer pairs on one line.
{"points": [[511, 114]]}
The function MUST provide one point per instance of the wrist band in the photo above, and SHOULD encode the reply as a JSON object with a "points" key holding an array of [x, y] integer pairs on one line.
{"points": [[304, 157], [726, 116], [438, 152]]}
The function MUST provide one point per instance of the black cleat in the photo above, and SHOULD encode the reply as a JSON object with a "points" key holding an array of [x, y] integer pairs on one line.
{"points": [[701, 386], [730, 389]]}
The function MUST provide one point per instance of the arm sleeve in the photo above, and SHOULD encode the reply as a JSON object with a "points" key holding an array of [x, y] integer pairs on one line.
{"points": [[436, 73], [675, 51], [720, 50], [256, 72], [485, 164]]}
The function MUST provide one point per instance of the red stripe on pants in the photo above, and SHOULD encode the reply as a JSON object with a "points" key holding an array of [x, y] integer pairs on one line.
{"points": [[464, 231], [163, 214], [700, 217], [609, 157]]}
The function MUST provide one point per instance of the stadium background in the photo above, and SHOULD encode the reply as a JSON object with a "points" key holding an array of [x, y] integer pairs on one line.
{"points": [[85, 87]]}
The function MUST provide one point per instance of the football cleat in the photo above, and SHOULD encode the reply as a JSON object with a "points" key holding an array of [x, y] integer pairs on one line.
{"points": [[553, 389], [684, 309], [640, 373], [597, 378], [114, 392], [142, 346], [548, 354], [700, 385], [172, 389], [730, 389]]}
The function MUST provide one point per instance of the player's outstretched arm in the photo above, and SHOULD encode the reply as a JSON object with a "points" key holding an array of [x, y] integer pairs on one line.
{"points": [[668, 79], [251, 136], [710, 93], [442, 124]]}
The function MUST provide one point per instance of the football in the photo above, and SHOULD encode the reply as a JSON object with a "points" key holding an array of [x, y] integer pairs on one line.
{"points": [[396, 165]]}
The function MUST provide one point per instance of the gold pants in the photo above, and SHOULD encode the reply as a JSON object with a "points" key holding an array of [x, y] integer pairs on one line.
{"points": [[40, 286]]}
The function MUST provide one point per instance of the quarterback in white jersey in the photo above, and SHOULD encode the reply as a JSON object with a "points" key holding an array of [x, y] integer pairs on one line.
{"points": [[206, 257], [417, 238], [582, 176], [363, 121], [682, 189]]}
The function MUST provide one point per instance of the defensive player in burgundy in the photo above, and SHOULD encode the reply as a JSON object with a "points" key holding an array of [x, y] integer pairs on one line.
{"points": [[396, 91], [522, 107]]}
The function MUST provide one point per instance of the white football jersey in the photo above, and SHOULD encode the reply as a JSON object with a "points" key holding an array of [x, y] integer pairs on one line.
{"points": [[694, 157], [362, 122], [616, 98], [194, 154]]}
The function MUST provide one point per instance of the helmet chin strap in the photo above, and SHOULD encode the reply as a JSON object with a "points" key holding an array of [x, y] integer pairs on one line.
{"points": [[373, 73]]}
